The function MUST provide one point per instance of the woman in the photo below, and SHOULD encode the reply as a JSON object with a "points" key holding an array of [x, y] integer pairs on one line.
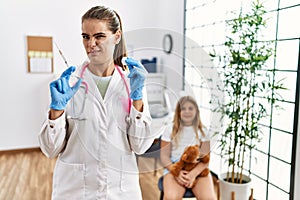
{"points": [[93, 127], [186, 130]]}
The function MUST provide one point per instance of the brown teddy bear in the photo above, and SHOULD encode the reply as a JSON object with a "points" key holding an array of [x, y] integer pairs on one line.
{"points": [[188, 160]]}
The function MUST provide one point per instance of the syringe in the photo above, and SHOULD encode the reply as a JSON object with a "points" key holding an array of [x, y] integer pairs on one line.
{"points": [[62, 55]]}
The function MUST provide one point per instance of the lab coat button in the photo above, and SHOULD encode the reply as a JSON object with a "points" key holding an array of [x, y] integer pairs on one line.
{"points": [[127, 119], [51, 125]]}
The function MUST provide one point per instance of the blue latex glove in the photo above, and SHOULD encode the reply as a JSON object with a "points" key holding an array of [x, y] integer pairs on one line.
{"points": [[137, 77], [60, 90]]}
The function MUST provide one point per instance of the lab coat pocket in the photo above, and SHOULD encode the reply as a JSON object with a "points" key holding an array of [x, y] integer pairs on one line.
{"points": [[68, 182], [129, 173]]}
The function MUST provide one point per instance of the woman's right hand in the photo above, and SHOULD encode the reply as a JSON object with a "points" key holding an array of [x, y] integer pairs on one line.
{"points": [[60, 90]]}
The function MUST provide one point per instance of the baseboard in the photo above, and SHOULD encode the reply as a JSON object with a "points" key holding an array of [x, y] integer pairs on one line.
{"points": [[24, 150]]}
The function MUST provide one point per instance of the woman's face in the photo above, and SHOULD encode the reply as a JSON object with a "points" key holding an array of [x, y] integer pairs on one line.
{"points": [[188, 113], [99, 42]]}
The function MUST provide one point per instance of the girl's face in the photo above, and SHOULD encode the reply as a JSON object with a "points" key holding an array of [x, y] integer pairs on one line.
{"points": [[99, 42], [188, 113]]}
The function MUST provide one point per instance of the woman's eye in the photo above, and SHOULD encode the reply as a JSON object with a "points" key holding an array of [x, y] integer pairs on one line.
{"points": [[86, 37], [98, 37]]}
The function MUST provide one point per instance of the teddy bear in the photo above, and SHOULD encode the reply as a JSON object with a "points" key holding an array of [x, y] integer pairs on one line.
{"points": [[188, 160]]}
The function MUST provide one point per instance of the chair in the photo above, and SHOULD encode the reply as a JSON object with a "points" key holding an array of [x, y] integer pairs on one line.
{"points": [[188, 192], [153, 152]]}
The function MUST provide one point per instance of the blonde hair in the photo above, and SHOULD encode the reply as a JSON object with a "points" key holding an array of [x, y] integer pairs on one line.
{"points": [[177, 122]]}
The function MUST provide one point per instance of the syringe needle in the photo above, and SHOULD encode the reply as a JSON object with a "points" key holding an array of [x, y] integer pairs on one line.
{"points": [[62, 55]]}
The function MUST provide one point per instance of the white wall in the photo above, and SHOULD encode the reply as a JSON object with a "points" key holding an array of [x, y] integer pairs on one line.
{"points": [[25, 96]]}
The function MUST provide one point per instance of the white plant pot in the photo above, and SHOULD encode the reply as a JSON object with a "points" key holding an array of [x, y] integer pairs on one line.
{"points": [[242, 191]]}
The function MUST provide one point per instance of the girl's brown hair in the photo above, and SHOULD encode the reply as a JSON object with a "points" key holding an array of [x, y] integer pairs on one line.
{"points": [[114, 24], [177, 123]]}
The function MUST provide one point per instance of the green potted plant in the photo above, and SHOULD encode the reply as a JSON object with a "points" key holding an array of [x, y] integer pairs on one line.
{"points": [[246, 81]]}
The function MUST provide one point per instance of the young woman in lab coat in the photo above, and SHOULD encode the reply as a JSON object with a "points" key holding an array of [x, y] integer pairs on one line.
{"points": [[91, 131]]}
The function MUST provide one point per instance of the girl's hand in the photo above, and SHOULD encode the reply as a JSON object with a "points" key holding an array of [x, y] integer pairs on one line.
{"points": [[181, 179], [190, 177]]}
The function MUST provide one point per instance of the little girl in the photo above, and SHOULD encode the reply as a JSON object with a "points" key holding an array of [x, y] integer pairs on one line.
{"points": [[186, 130]]}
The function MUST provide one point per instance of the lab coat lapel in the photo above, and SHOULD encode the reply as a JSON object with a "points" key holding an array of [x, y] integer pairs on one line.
{"points": [[92, 87], [116, 98]]}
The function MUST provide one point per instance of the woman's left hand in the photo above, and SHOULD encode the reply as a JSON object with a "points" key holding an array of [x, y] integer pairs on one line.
{"points": [[137, 77]]}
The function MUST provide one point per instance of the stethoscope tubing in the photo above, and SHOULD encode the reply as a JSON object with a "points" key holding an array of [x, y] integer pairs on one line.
{"points": [[81, 76], [127, 88], [87, 88]]}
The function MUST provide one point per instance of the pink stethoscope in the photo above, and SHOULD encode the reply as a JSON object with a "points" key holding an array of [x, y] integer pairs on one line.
{"points": [[87, 88]]}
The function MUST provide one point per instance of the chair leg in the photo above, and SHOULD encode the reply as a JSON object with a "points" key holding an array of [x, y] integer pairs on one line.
{"points": [[218, 189], [155, 166], [251, 196], [217, 184], [161, 195]]}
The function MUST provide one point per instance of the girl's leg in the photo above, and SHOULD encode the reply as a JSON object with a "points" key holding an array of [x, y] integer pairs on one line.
{"points": [[172, 190], [204, 188]]}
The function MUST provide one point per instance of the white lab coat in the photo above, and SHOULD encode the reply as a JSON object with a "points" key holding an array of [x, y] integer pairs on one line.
{"points": [[96, 153]]}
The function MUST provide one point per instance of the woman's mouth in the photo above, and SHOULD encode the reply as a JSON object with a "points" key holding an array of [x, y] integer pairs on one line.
{"points": [[94, 52]]}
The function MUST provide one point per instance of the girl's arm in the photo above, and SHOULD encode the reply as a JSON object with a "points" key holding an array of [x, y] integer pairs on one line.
{"points": [[198, 169], [191, 176], [165, 154], [204, 149]]}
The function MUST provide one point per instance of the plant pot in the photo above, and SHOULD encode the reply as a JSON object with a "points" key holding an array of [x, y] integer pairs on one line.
{"points": [[242, 191]]}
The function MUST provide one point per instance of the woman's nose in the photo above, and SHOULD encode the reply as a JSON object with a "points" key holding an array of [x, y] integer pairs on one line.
{"points": [[92, 42]]}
